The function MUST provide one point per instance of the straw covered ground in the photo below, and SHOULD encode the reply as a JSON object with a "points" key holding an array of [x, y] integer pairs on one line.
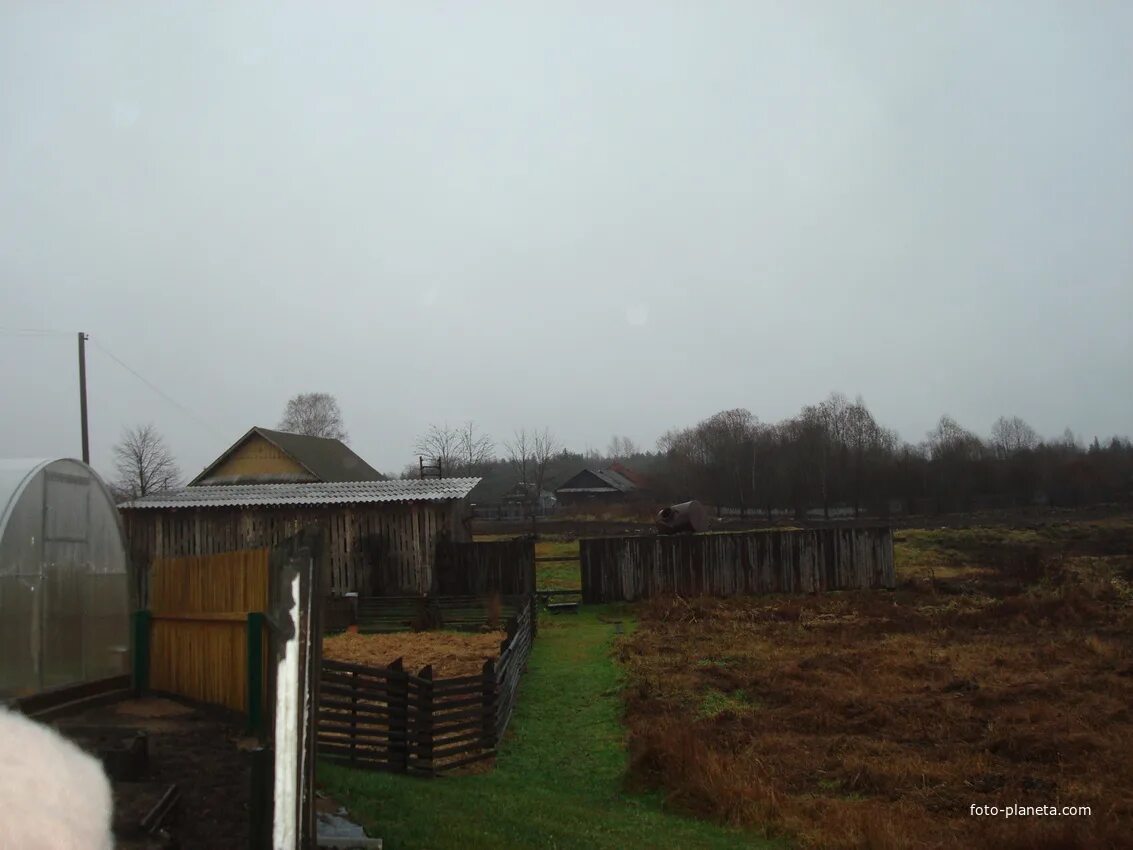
{"points": [[450, 653], [1000, 672]]}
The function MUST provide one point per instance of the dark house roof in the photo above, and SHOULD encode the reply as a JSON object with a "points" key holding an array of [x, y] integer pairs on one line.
{"points": [[324, 458], [634, 478], [597, 481], [524, 492]]}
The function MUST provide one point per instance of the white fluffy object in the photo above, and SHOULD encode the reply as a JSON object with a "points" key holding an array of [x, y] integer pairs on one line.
{"points": [[53, 796]]}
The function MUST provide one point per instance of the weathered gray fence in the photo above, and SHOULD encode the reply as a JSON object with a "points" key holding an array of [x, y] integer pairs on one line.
{"points": [[476, 569], [628, 568]]}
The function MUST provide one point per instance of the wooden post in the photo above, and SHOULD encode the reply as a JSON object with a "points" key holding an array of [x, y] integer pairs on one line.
{"points": [[260, 798], [397, 684], [141, 651], [353, 716], [424, 737], [83, 396], [255, 646], [488, 681]]}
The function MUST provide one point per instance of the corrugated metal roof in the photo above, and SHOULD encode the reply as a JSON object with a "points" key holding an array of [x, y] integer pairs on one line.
{"points": [[313, 493], [615, 479]]}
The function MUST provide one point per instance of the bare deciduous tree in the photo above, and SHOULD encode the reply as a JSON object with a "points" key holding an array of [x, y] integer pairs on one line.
{"points": [[1011, 435], [440, 445], [314, 414], [530, 453], [144, 463], [950, 439], [621, 448], [475, 449], [544, 447], [519, 454]]}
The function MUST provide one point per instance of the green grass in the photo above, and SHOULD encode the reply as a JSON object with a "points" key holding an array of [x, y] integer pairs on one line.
{"points": [[953, 551], [557, 575], [558, 779], [550, 575], [548, 547], [716, 702]]}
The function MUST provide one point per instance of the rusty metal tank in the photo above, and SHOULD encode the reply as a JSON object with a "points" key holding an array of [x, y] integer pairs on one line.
{"points": [[685, 518]]}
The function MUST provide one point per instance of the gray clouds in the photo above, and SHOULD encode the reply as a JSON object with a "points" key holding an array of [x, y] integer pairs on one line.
{"points": [[605, 221]]}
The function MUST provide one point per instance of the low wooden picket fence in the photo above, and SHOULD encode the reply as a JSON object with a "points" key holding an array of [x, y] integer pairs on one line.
{"points": [[385, 614], [386, 718]]}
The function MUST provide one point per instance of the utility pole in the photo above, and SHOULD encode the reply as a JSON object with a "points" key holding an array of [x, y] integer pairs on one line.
{"points": [[83, 394]]}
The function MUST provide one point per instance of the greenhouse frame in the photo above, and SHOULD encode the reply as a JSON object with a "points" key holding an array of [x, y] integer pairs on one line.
{"points": [[65, 578]]}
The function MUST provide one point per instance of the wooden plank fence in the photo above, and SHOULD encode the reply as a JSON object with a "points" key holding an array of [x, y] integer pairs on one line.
{"points": [[628, 568], [386, 718], [204, 623], [377, 548], [385, 614], [479, 568]]}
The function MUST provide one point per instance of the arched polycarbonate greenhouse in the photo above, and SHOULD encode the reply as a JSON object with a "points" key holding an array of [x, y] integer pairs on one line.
{"points": [[64, 578]]}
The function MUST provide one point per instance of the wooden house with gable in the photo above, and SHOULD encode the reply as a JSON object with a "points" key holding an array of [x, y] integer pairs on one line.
{"points": [[381, 535]]}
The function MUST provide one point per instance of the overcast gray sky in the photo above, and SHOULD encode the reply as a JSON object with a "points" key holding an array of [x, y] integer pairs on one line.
{"points": [[598, 217]]}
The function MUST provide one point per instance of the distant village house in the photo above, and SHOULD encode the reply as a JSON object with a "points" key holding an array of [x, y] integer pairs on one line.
{"points": [[610, 485]]}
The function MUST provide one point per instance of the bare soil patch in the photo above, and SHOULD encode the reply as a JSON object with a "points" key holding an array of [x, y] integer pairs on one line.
{"points": [[194, 748]]}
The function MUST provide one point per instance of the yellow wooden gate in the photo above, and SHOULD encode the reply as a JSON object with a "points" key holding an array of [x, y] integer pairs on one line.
{"points": [[201, 634]]}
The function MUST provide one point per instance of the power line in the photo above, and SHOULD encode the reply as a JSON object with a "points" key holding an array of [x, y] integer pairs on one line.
{"points": [[34, 332], [156, 388]]}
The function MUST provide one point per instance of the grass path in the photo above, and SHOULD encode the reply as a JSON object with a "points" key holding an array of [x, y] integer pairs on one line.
{"points": [[558, 781]]}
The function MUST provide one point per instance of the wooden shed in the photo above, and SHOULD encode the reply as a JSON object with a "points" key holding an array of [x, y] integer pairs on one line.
{"points": [[382, 535]]}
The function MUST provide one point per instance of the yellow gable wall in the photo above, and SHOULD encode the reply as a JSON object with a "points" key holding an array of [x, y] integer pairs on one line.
{"points": [[256, 456]]}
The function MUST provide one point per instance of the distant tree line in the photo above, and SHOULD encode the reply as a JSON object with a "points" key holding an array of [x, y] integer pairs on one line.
{"points": [[835, 453]]}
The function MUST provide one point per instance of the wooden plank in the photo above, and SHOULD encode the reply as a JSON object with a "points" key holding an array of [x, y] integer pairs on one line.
{"points": [[460, 703], [456, 681], [463, 716], [335, 707], [364, 737], [468, 720], [467, 735], [354, 728], [218, 617], [456, 691], [367, 731], [349, 667], [464, 762], [336, 682], [446, 752]]}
